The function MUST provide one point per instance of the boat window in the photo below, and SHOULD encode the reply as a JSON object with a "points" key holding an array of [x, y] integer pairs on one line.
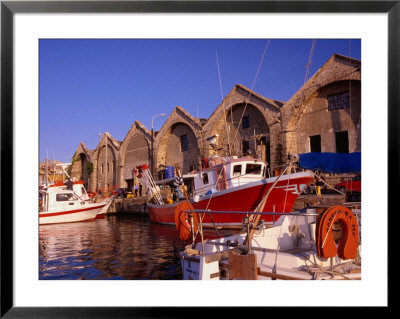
{"points": [[65, 197], [205, 178], [237, 170], [253, 169]]}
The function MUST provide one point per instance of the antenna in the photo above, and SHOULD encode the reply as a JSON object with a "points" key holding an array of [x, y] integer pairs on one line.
{"points": [[309, 61]]}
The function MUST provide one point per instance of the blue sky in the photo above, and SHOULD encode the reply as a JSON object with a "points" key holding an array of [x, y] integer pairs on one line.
{"points": [[87, 87]]}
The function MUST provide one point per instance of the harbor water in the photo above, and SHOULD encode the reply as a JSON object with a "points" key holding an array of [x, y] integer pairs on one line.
{"points": [[117, 248]]}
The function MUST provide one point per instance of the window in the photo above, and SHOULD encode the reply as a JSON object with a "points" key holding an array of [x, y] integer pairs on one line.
{"points": [[245, 122], [254, 169], [205, 178], [338, 101], [65, 197], [237, 170], [108, 167], [184, 143], [102, 168], [246, 147], [342, 142], [315, 143]]}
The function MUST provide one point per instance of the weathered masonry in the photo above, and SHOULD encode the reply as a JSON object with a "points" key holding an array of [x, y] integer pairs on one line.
{"points": [[323, 116]]}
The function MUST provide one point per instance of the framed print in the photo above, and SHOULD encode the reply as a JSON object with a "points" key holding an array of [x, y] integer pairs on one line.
{"points": [[28, 26]]}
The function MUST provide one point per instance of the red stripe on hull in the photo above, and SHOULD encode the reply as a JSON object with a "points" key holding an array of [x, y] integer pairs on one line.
{"points": [[281, 199], [70, 211]]}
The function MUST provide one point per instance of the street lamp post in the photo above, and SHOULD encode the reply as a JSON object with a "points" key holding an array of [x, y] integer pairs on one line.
{"points": [[152, 147]]}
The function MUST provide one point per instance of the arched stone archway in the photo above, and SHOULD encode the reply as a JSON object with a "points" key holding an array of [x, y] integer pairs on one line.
{"points": [[307, 116], [136, 152], [178, 146], [244, 131], [248, 122], [80, 162], [320, 122], [106, 168], [84, 169]]}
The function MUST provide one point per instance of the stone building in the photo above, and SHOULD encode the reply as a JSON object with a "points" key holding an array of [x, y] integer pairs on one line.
{"points": [[82, 164], [50, 172], [106, 163], [245, 123], [134, 150], [178, 142], [323, 116]]}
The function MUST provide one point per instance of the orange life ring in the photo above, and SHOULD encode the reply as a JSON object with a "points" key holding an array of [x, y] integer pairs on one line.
{"points": [[348, 243], [182, 220]]}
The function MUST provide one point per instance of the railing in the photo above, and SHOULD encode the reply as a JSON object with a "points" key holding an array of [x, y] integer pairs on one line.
{"points": [[246, 221], [249, 224]]}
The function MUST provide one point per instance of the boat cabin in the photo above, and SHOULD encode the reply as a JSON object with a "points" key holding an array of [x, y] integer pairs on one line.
{"points": [[56, 196], [228, 174]]}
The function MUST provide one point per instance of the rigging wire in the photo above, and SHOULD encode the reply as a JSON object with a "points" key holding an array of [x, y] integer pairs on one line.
{"points": [[309, 61], [254, 81], [209, 103], [223, 106]]}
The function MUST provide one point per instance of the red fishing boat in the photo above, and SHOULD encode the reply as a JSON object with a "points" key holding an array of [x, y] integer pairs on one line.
{"points": [[233, 184]]}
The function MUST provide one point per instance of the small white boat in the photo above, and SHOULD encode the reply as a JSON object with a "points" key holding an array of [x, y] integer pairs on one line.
{"points": [[58, 204], [300, 245]]}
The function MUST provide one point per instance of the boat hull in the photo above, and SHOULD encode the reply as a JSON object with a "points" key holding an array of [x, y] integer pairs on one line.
{"points": [[71, 216], [241, 198], [288, 250]]}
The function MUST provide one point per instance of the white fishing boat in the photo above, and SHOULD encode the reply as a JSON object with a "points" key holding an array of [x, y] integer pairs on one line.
{"points": [[58, 204], [68, 202], [300, 245]]}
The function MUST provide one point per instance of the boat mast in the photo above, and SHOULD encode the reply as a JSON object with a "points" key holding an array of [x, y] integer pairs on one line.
{"points": [[223, 105], [252, 87], [47, 167], [309, 61], [105, 176]]}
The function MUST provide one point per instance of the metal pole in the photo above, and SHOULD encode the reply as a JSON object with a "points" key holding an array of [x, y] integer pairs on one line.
{"points": [[152, 149], [201, 232], [248, 234]]}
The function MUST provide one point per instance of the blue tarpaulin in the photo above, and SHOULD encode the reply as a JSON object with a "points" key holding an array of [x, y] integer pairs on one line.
{"points": [[331, 162]]}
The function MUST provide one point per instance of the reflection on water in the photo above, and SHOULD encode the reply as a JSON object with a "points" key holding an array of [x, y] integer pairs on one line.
{"points": [[118, 247]]}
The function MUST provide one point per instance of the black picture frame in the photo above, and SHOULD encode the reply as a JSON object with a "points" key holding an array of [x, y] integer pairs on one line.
{"points": [[9, 8]]}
